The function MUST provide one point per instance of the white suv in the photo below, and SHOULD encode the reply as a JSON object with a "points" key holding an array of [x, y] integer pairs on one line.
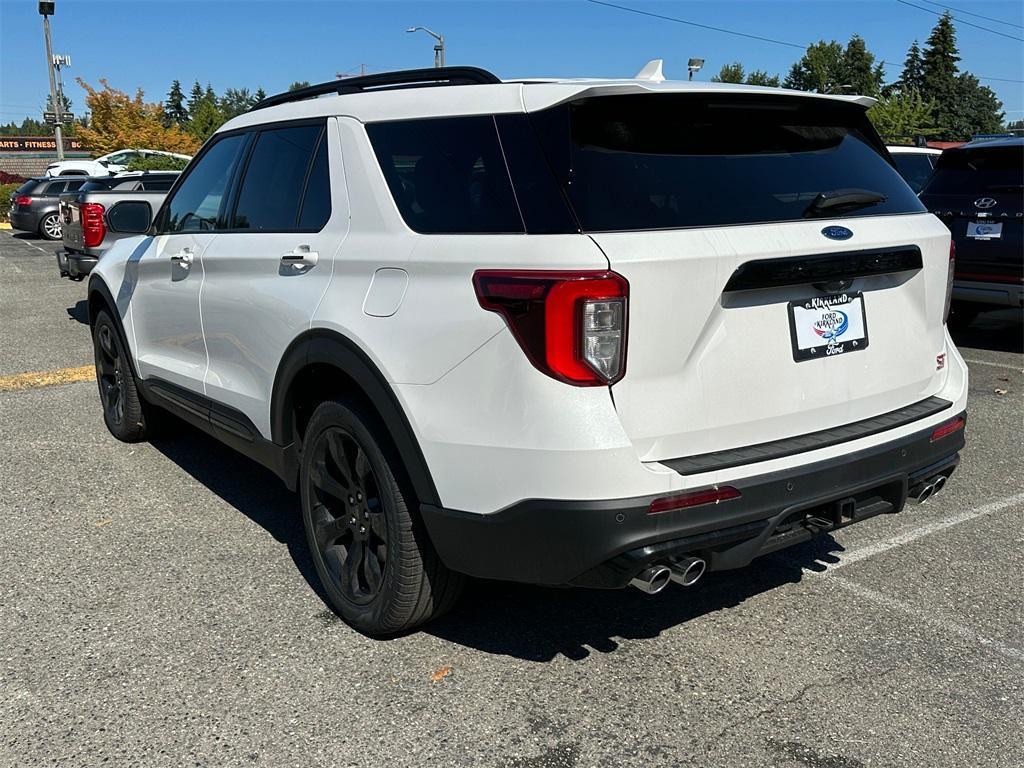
{"points": [[591, 333]]}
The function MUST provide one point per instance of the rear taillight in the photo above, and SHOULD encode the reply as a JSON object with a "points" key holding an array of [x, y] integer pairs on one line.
{"points": [[693, 499], [94, 229], [950, 427], [23, 200], [571, 325], [949, 281]]}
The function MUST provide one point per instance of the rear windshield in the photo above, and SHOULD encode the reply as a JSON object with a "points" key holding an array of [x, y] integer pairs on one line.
{"points": [[975, 171], [914, 167], [94, 184], [671, 161]]}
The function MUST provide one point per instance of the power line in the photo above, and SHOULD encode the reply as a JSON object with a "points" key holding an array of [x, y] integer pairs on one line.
{"points": [[961, 21], [695, 24], [971, 13]]}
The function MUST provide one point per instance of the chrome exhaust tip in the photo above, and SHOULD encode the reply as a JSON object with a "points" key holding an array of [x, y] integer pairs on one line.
{"points": [[937, 483], [652, 580], [688, 570], [922, 493]]}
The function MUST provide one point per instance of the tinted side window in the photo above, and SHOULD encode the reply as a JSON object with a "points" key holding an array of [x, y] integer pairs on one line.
{"points": [[447, 175], [55, 188], [915, 168], [271, 192], [153, 185], [316, 202], [75, 185], [197, 204]]}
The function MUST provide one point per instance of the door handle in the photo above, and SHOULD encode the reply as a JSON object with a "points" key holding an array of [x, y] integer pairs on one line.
{"points": [[183, 257], [301, 256]]}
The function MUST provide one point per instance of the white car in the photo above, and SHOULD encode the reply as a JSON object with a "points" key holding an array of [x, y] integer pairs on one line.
{"points": [[112, 162], [915, 164], [570, 332]]}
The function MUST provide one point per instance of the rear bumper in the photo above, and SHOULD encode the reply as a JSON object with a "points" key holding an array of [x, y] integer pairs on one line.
{"points": [[26, 221], [997, 294], [75, 265], [606, 543]]}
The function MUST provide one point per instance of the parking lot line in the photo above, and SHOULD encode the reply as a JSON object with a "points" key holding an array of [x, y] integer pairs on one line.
{"points": [[994, 365], [36, 379], [856, 555], [929, 617]]}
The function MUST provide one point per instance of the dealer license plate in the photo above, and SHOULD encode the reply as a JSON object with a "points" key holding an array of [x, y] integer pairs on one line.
{"points": [[985, 230], [825, 326]]}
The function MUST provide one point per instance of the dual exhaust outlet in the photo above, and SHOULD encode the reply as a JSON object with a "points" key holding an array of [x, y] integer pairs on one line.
{"points": [[683, 570], [924, 491]]}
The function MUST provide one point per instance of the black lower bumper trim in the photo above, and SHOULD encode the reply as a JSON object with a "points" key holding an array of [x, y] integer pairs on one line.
{"points": [[605, 543]]}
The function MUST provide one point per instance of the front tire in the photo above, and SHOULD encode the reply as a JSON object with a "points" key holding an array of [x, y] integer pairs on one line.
{"points": [[373, 556], [122, 404], [50, 227]]}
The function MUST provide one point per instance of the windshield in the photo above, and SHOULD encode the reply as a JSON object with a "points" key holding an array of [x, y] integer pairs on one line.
{"points": [[915, 167], [669, 161], [976, 171]]}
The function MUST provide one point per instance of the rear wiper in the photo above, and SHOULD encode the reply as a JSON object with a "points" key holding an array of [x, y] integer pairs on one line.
{"points": [[843, 199]]}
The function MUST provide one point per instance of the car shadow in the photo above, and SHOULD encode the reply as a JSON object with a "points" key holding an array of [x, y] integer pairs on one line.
{"points": [[249, 487], [527, 622], [79, 312], [27, 235], [1001, 331]]}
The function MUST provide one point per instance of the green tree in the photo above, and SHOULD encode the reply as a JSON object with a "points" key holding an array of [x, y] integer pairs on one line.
{"points": [[760, 77], [859, 70], [206, 119], [298, 84], [175, 112], [235, 101], [729, 73], [195, 96], [975, 109], [913, 69], [259, 96], [904, 114], [820, 69], [939, 67]]}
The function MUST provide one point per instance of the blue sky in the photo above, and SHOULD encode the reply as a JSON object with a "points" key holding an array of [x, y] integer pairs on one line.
{"points": [[270, 43]]}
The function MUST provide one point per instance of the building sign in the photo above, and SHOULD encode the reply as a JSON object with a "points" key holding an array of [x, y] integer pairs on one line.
{"points": [[38, 144]]}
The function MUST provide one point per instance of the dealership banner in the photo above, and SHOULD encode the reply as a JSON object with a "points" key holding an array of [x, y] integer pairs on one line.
{"points": [[37, 144]]}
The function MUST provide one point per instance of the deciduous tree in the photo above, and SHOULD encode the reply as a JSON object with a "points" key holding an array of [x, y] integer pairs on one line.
{"points": [[119, 121]]}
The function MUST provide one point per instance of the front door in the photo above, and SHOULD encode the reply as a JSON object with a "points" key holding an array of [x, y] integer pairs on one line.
{"points": [[164, 277], [267, 272]]}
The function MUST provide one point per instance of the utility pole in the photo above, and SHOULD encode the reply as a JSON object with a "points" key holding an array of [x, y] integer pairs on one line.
{"points": [[46, 10], [438, 47]]}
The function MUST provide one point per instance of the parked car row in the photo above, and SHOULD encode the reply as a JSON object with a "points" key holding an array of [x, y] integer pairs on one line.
{"points": [[113, 162]]}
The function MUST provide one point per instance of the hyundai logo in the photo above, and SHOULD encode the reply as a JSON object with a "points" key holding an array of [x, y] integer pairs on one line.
{"points": [[837, 233], [985, 202]]}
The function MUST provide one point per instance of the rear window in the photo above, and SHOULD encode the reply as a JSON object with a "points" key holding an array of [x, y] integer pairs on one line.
{"points": [[97, 184], [447, 175], [671, 161], [976, 171], [914, 167]]}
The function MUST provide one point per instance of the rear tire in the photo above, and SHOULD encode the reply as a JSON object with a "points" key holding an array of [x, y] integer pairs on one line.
{"points": [[122, 403], [374, 558], [50, 227]]}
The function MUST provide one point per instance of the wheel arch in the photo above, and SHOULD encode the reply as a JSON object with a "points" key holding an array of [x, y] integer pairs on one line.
{"points": [[322, 362], [99, 299]]}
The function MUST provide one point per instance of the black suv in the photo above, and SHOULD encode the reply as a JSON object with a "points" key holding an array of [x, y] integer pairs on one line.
{"points": [[978, 192], [35, 205]]}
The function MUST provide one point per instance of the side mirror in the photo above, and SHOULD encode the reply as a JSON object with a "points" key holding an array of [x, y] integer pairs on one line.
{"points": [[130, 217]]}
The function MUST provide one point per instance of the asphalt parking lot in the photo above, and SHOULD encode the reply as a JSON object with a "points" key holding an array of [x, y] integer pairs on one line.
{"points": [[157, 608]]}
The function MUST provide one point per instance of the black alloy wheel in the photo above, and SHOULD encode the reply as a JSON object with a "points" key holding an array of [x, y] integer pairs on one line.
{"points": [[348, 516]]}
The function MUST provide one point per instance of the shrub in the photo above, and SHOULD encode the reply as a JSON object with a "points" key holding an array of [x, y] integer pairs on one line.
{"points": [[11, 178], [6, 190], [156, 163]]}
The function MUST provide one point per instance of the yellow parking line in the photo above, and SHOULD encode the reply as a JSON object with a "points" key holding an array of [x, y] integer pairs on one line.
{"points": [[35, 379]]}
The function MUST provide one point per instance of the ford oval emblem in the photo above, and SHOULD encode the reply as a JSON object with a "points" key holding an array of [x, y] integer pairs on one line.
{"points": [[837, 233]]}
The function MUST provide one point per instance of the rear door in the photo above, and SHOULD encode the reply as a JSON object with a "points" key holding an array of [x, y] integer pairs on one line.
{"points": [[757, 310], [266, 274], [164, 275]]}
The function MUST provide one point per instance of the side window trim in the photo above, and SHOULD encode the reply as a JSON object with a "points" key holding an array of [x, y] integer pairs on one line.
{"points": [[226, 217], [309, 170]]}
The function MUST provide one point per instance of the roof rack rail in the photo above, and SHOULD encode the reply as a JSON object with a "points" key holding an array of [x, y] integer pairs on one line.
{"points": [[407, 78]]}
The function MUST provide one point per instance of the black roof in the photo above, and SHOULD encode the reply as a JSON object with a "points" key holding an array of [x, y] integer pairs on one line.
{"points": [[995, 141]]}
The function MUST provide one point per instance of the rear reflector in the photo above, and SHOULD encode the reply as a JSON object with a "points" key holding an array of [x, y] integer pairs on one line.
{"points": [[951, 426], [693, 499]]}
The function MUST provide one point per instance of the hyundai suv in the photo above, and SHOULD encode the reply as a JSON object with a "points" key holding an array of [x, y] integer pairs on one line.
{"points": [[592, 333]]}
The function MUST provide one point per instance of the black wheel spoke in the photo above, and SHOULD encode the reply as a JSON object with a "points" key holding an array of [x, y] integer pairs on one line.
{"points": [[378, 525], [373, 571], [330, 530], [353, 564], [325, 482]]}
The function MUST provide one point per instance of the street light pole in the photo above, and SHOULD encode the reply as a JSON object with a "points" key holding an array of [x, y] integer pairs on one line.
{"points": [[45, 9], [438, 48]]}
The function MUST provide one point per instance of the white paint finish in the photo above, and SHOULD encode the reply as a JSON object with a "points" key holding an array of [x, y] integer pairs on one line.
{"points": [[164, 296], [254, 305], [385, 292], [708, 372]]}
